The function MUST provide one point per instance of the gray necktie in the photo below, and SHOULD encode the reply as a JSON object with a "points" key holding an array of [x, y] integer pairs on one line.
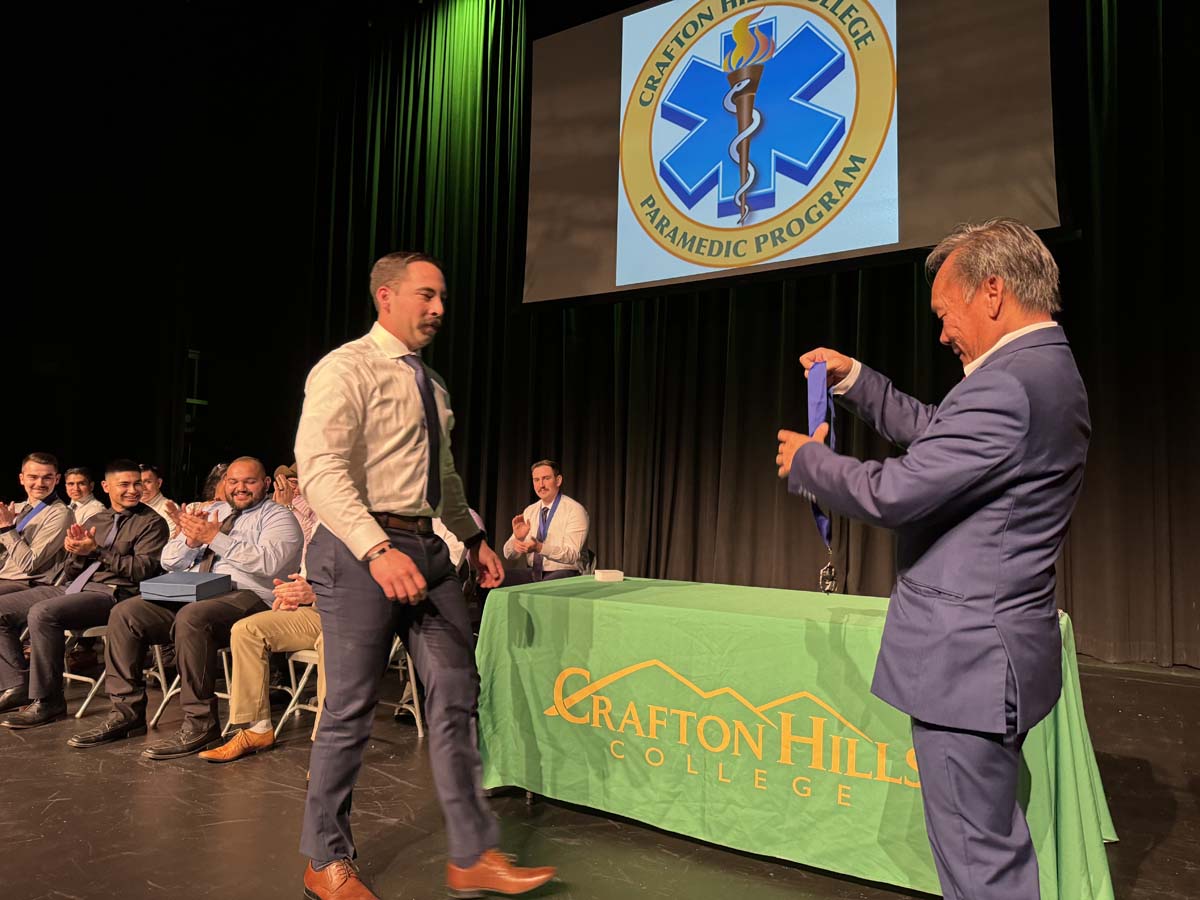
{"points": [[85, 576], [209, 557]]}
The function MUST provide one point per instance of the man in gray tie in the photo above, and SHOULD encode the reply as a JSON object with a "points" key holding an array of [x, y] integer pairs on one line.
{"points": [[31, 533], [79, 483], [106, 560], [373, 452], [249, 538]]}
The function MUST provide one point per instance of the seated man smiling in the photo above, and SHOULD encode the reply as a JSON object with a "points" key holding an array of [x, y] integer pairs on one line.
{"points": [[248, 537]]}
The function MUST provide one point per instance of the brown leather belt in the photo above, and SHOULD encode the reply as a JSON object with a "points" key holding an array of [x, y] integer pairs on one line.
{"points": [[415, 524]]}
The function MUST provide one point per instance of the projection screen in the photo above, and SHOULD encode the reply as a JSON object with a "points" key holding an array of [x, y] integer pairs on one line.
{"points": [[685, 140]]}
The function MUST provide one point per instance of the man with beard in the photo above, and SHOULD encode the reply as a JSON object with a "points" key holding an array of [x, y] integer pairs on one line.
{"points": [[106, 559], [247, 537], [373, 453]]}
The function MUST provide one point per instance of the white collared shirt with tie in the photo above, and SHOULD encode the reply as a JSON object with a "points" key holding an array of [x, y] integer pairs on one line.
{"points": [[84, 509], [361, 446], [565, 537]]}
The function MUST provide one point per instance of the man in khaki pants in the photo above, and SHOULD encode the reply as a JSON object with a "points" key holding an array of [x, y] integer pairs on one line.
{"points": [[290, 624]]}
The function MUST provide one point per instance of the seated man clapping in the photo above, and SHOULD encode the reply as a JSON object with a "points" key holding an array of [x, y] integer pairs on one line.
{"points": [[549, 534], [246, 536]]}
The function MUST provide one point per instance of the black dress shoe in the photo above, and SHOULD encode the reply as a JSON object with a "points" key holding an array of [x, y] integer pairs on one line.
{"points": [[39, 712], [182, 743], [115, 728], [14, 698]]}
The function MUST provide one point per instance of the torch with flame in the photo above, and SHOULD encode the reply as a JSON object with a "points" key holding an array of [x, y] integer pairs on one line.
{"points": [[743, 67]]}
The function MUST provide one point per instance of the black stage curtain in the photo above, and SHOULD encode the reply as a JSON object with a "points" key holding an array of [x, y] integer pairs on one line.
{"points": [[663, 409], [290, 147]]}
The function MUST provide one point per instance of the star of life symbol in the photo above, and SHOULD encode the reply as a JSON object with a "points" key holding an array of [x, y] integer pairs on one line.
{"points": [[752, 118]]}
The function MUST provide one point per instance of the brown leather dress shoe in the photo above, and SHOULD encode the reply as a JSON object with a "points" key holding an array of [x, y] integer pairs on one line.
{"points": [[241, 744], [494, 873], [337, 881]]}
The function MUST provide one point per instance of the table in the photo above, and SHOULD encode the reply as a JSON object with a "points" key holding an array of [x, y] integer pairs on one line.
{"points": [[743, 716]]}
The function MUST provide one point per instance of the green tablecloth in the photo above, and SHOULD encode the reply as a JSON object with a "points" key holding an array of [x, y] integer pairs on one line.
{"points": [[743, 716]]}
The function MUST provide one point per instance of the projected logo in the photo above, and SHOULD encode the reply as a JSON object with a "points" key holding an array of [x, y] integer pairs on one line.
{"points": [[751, 127]]}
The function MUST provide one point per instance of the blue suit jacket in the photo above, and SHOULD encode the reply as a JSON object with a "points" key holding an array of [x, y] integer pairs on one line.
{"points": [[980, 502]]}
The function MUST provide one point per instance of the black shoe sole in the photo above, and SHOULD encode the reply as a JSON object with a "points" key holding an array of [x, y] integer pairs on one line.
{"points": [[132, 732]]}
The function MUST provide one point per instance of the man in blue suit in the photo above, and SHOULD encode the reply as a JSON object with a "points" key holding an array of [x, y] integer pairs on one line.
{"points": [[980, 502]]}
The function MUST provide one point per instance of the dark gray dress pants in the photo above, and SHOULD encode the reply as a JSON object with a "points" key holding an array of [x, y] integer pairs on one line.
{"points": [[969, 785], [358, 622], [198, 631], [49, 612], [8, 586]]}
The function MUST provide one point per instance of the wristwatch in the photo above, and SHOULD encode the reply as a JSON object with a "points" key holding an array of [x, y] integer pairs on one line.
{"points": [[375, 554]]}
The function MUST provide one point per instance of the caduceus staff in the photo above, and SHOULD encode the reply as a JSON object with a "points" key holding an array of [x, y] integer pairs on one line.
{"points": [[744, 67]]}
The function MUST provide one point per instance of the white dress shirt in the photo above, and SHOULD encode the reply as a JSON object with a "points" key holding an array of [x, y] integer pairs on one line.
{"points": [[264, 544], [564, 538], [457, 548], [86, 508], [361, 446], [159, 505]]}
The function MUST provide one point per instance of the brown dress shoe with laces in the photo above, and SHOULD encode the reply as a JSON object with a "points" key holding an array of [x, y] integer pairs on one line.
{"points": [[337, 881], [494, 873], [241, 744]]}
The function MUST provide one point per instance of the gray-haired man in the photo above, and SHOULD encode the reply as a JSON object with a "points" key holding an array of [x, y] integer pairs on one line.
{"points": [[980, 502]]}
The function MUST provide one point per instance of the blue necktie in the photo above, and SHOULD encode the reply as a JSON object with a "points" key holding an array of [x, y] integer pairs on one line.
{"points": [[820, 405], [433, 432], [85, 576], [538, 567]]}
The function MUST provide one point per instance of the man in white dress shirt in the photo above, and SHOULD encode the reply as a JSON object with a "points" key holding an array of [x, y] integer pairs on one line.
{"points": [[79, 484], [153, 496], [373, 453], [550, 533]]}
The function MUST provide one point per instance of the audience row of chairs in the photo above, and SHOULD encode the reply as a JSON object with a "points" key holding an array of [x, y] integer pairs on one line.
{"points": [[398, 660]]}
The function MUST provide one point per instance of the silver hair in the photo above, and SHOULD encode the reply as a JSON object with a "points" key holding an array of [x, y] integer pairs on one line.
{"points": [[1007, 249]]}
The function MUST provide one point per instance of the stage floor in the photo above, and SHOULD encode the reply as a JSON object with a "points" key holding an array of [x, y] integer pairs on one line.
{"points": [[107, 823]]}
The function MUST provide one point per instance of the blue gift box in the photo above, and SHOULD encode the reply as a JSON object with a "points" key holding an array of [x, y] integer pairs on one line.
{"points": [[185, 587]]}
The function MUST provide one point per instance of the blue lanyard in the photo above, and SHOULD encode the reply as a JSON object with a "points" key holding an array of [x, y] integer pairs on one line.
{"points": [[41, 504], [544, 529], [820, 405]]}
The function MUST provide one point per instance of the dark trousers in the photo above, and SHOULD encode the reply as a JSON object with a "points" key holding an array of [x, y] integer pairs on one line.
{"points": [[357, 623], [969, 780], [525, 576], [8, 586], [49, 612], [197, 629]]}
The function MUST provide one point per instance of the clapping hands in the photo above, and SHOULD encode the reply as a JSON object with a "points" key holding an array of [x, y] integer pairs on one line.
{"points": [[293, 594], [81, 541], [198, 529]]}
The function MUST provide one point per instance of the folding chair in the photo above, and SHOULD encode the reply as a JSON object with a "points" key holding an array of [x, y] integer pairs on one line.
{"points": [[73, 638], [168, 692], [310, 659], [410, 700]]}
